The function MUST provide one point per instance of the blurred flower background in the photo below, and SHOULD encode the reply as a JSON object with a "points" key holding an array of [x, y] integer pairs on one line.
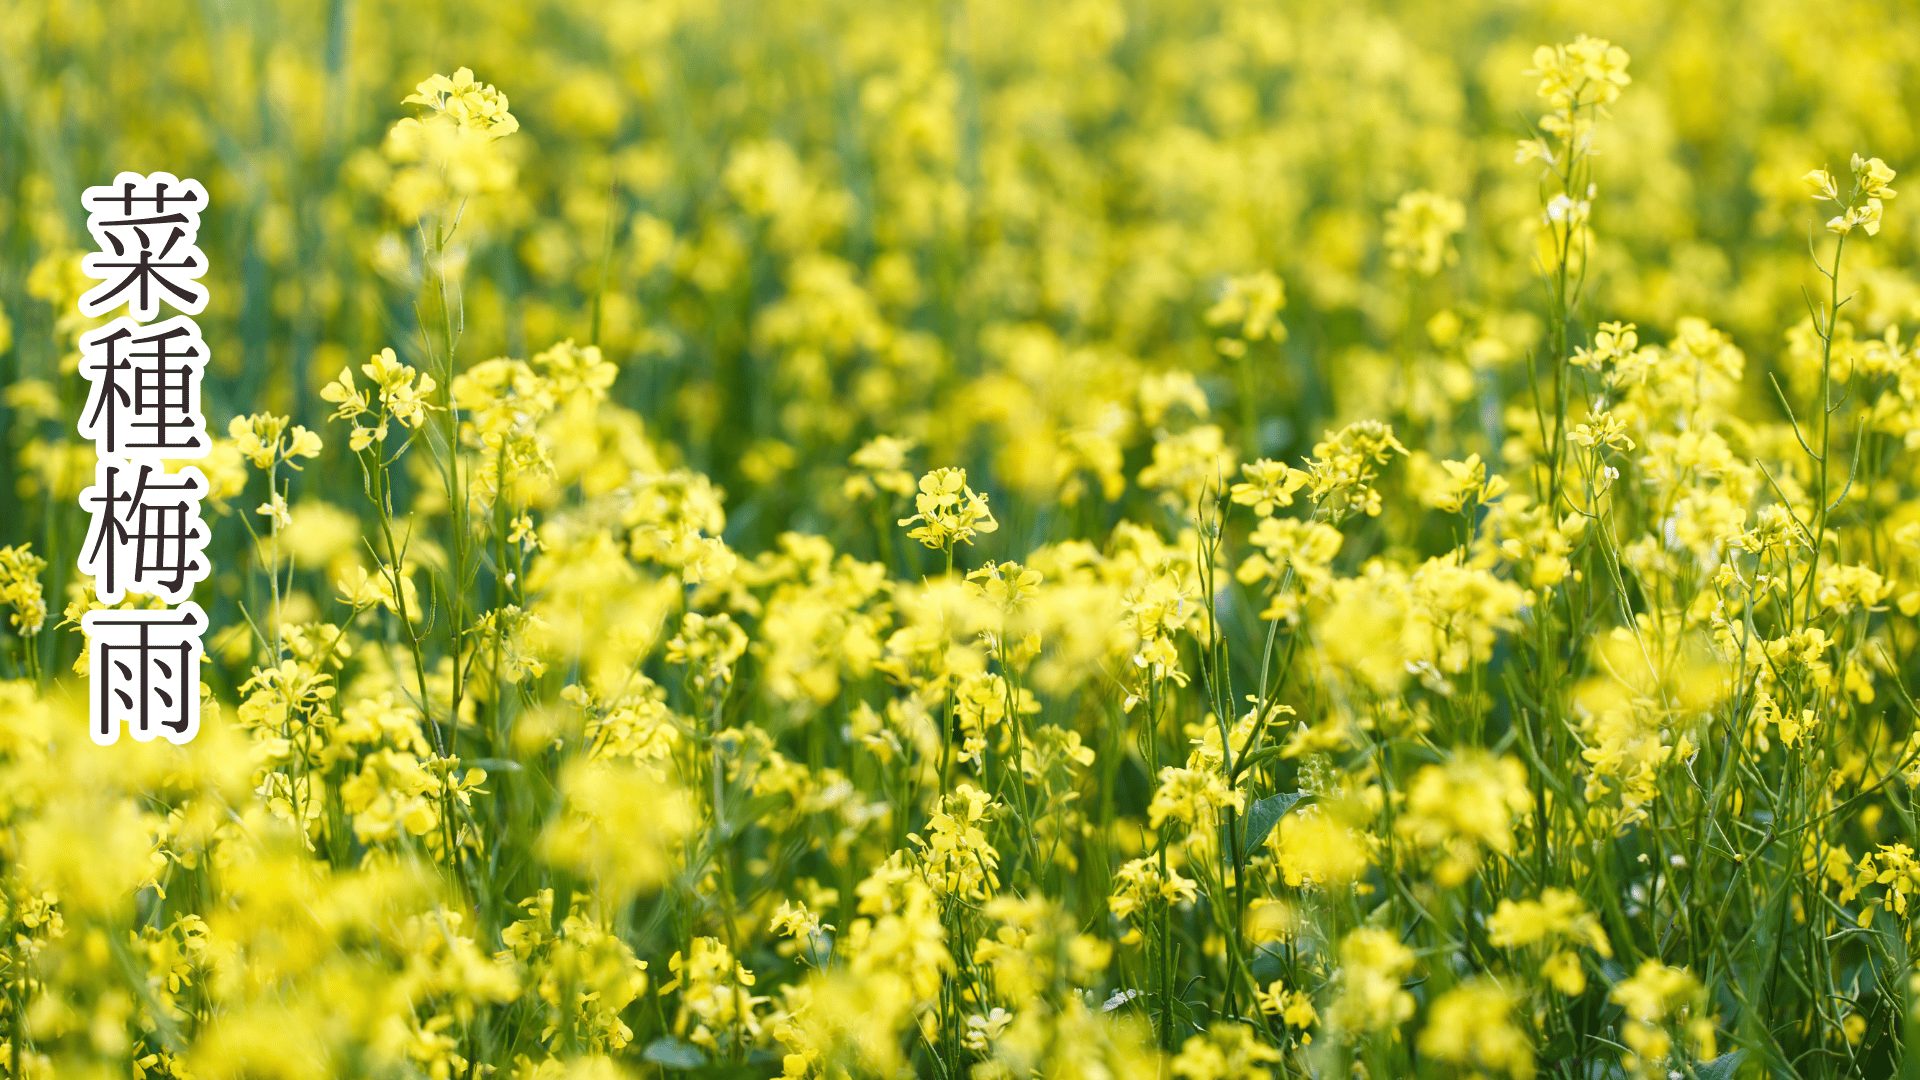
{"points": [[1102, 539]]}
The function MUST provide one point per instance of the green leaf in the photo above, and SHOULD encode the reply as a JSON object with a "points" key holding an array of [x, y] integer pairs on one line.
{"points": [[1724, 1067], [1264, 814], [672, 1053]]}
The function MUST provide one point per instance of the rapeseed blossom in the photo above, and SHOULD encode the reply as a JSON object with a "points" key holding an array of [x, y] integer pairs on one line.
{"points": [[947, 511]]}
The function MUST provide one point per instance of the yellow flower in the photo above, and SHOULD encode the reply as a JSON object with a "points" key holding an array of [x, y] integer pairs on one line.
{"points": [[1472, 1026], [1293, 1007], [267, 440], [1194, 797], [1373, 965], [275, 511], [881, 464], [1321, 845], [619, 826], [958, 859], [1268, 486], [1227, 1051], [1463, 485], [1662, 1001], [1873, 176], [1345, 463], [1141, 887], [1420, 232], [1557, 923], [1249, 308], [947, 511], [1585, 72], [20, 589], [1463, 810], [470, 104]]}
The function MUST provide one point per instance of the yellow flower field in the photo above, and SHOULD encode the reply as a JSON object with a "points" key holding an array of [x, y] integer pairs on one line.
{"points": [[1108, 539]]}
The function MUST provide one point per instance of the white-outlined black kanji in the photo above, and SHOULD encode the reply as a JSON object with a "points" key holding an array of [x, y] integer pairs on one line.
{"points": [[147, 535], [147, 228], [143, 408], [145, 398], [145, 672]]}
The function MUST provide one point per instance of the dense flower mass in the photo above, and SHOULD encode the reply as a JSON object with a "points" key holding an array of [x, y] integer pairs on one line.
{"points": [[1206, 539]]}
